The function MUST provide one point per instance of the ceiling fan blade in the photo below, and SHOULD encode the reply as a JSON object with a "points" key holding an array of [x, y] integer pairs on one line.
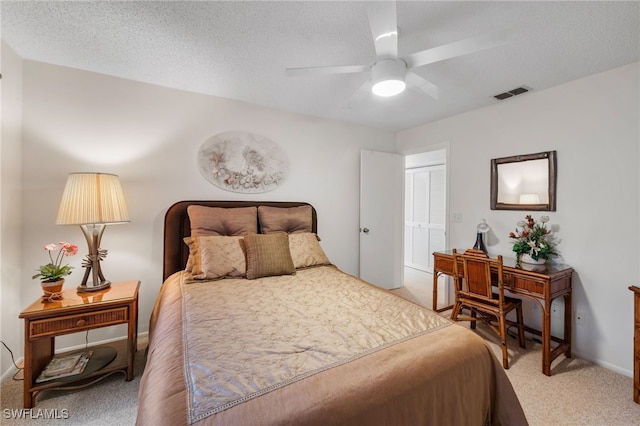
{"points": [[327, 70], [458, 48], [358, 96], [384, 27], [419, 83]]}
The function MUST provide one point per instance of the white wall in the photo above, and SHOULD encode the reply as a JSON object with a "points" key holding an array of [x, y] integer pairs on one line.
{"points": [[593, 124], [10, 204], [149, 135]]}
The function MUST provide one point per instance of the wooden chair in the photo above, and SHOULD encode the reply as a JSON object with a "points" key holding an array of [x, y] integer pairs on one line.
{"points": [[475, 292]]}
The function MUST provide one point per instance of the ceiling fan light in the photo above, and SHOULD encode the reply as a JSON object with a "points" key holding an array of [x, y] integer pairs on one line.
{"points": [[388, 76], [386, 88]]}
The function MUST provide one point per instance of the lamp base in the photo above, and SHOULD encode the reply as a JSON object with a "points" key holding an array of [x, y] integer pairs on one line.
{"points": [[86, 289], [480, 243], [91, 263]]}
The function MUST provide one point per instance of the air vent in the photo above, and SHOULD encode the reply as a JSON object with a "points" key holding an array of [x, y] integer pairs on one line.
{"points": [[517, 91]]}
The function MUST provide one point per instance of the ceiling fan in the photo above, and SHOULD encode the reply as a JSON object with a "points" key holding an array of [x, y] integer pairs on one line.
{"points": [[391, 74]]}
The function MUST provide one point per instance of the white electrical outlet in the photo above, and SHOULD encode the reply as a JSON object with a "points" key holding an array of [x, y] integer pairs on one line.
{"points": [[580, 318], [456, 217]]}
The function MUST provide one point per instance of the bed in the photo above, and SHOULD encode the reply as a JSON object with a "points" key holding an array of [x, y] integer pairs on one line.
{"points": [[253, 325]]}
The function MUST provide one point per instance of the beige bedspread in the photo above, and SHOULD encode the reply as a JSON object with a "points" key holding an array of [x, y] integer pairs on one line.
{"points": [[318, 347]]}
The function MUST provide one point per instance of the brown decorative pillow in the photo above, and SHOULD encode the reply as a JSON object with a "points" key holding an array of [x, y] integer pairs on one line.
{"points": [[215, 256], [268, 255], [306, 251], [222, 221], [285, 219]]}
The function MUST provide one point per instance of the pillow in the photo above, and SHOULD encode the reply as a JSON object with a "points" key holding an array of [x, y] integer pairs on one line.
{"points": [[306, 251], [285, 219], [268, 255], [215, 256], [222, 221]]}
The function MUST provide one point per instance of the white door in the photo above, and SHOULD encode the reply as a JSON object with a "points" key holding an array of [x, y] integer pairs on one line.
{"points": [[381, 221], [437, 212], [425, 198], [416, 218]]}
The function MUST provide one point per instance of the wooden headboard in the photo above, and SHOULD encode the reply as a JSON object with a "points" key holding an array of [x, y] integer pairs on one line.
{"points": [[177, 226]]}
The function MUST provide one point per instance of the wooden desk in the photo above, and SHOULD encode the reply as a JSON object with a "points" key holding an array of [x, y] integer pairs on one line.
{"points": [[76, 312], [542, 283]]}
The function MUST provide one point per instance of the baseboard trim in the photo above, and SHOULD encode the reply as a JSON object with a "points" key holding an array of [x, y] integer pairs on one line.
{"points": [[607, 365], [11, 371]]}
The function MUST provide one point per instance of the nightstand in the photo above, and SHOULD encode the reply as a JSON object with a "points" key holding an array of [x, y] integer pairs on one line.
{"points": [[77, 312]]}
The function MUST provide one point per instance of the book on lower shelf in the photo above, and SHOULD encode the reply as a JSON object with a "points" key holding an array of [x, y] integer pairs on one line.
{"points": [[65, 365]]}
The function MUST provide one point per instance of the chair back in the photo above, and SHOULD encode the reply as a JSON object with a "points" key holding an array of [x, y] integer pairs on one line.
{"points": [[476, 279]]}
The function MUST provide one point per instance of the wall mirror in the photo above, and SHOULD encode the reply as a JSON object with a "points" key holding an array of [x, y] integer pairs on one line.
{"points": [[524, 182]]}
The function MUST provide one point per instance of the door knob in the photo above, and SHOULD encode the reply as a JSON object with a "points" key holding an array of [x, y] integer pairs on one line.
{"points": [[365, 230]]}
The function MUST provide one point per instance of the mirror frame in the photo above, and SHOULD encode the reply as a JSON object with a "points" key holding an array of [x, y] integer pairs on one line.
{"points": [[550, 206]]}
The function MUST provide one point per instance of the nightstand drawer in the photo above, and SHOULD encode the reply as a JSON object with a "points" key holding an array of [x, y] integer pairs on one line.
{"points": [[75, 323]]}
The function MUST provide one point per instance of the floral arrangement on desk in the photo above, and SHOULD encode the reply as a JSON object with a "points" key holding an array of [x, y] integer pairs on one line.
{"points": [[532, 238], [55, 270]]}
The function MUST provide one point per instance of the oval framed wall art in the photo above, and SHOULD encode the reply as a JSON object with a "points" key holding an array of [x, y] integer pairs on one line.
{"points": [[243, 162]]}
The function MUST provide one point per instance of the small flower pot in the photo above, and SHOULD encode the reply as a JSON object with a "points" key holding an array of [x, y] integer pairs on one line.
{"points": [[52, 290]]}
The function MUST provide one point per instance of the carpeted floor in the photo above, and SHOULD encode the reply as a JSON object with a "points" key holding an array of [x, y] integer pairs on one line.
{"points": [[578, 392], [110, 402]]}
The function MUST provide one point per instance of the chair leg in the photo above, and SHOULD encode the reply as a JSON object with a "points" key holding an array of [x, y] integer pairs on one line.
{"points": [[474, 314], [503, 337], [455, 311], [521, 337]]}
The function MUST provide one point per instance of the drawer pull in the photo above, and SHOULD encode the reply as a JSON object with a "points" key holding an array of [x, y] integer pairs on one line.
{"points": [[80, 323]]}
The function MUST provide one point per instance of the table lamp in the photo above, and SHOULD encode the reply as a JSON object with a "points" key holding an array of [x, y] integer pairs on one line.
{"points": [[481, 229], [92, 200]]}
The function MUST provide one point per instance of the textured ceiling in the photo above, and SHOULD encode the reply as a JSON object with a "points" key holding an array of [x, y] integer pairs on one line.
{"points": [[240, 50]]}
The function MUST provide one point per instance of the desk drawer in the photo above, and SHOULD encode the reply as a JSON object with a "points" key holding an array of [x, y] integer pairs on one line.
{"points": [[75, 323], [527, 285], [443, 264]]}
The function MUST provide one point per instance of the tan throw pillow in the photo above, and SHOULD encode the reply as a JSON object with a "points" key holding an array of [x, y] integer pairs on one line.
{"points": [[215, 256], [222, 221], [268, 255], [306, 251], [285, 219]]}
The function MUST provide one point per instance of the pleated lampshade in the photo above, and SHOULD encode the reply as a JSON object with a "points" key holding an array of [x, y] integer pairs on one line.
{"points": [[92, 198]]}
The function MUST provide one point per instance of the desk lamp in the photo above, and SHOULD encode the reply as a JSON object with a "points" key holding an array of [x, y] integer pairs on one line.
{"points": [[92, 200], [481, 229]]}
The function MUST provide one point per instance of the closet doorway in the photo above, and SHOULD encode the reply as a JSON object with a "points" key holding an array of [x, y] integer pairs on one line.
{"points": [[425, 216]]}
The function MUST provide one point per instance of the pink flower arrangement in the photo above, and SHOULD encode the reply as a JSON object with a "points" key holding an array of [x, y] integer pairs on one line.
{"points": [[54, 270]]}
